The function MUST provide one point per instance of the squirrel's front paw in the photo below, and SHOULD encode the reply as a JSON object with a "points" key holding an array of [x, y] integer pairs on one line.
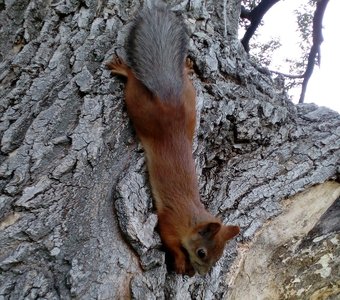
{"points": [[180, 265], [189, 270], [184, 267]]}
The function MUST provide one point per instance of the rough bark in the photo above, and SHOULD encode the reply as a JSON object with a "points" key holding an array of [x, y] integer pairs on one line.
{"points": [[76, 213]]}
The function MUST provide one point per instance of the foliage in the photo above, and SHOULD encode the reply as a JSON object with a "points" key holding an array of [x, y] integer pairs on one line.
{"points": [[262, 53], [250, 4], [304, 16]]}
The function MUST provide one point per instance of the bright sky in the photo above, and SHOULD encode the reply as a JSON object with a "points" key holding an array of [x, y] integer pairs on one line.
{"points": [[280, 21]]}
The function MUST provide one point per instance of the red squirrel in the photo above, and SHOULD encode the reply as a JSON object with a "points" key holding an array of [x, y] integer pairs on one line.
{"points": [[160, 100]]}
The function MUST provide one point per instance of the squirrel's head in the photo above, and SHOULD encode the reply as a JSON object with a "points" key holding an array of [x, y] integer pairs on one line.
{"points": [[206, 243]]}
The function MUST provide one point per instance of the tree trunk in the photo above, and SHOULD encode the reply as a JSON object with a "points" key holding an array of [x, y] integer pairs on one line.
{"points": [[76, 214]]}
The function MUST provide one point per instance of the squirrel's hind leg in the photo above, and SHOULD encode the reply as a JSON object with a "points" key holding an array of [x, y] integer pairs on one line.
{"points": [[118, 67], [189, 66]]}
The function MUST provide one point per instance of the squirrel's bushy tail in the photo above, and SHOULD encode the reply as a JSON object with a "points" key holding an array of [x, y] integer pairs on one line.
{"points": [[156, 51]]}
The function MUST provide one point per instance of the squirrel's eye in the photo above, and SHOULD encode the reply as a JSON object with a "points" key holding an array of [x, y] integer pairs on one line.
{"points": [[201, 253]]}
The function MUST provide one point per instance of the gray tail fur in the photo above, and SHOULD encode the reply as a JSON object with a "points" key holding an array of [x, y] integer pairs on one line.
{"points": [[156, 51]]}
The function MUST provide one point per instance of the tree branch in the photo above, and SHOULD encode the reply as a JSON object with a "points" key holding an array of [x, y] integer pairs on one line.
{"points": [[245, 13], [291, 76], [314, 54], [255, 17]]}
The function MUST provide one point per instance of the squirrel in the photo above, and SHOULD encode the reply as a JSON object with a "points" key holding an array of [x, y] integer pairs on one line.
{"points": [[161, 100]]}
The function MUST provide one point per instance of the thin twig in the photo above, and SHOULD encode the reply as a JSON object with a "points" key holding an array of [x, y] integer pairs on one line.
{"points": [[288, 75]]}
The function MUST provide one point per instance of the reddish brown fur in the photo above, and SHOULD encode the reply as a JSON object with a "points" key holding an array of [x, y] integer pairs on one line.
{"points": [[166, 129]]}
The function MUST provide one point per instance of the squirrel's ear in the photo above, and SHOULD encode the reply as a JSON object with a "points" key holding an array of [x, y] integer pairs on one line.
{"points": [[230, 231], [209, 230]]}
